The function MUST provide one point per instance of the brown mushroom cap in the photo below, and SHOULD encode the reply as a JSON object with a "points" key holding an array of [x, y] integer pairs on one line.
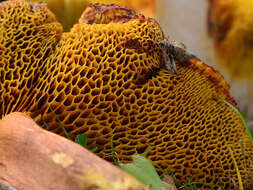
{"points": [[108, 80]]}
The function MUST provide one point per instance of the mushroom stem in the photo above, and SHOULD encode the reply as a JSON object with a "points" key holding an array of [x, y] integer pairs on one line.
{"points": [[33, 158]]}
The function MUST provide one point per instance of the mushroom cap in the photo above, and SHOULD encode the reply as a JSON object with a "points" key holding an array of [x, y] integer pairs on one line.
{"points": [[107, 79], [230, 25]]}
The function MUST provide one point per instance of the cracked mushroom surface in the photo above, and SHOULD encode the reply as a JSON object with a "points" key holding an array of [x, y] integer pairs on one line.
{"points": [[106, 78]]}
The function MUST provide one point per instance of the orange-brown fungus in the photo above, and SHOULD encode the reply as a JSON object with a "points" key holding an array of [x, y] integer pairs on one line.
{"points": [[107, 80]]}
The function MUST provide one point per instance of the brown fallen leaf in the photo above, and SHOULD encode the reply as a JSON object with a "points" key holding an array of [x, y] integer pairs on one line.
{"points": [[33, 158]]}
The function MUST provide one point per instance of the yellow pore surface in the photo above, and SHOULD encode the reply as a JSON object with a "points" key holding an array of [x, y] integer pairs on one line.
{"points": [[108, 80], [28, 35], [232, 30]]}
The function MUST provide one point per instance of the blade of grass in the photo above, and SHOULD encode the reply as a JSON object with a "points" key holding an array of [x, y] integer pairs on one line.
{"points": [[146, 152], [190, 184], [193, 185], [236, 168], [114, 157], [177, 182], [60, 123], [241, 117], [94, 149]]}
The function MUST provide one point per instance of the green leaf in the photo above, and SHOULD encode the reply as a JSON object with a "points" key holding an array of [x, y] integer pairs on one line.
{"points": [[147, 166], [165, 172], [144, 171], [82, 140], [94, 149], [60, 123]]}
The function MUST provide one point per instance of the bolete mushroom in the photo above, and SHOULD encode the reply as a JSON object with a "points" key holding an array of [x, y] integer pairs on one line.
{"points": [[107, 79]]}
